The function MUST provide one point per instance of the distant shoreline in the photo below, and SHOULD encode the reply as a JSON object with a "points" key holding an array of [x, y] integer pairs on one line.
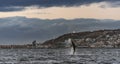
{"points": [[95, 39]]}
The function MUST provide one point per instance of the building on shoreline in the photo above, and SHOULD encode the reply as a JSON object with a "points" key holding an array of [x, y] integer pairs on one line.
{"points": [[34, 44]]}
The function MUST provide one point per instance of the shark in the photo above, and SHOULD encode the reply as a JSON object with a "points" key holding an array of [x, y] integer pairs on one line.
{"points": [[73, 46]]}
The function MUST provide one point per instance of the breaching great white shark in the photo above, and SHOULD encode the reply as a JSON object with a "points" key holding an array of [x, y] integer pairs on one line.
{"points": [[73, 50]]}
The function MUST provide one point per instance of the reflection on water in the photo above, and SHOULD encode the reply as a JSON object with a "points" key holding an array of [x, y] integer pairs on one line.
{"points": [[59, 56]]}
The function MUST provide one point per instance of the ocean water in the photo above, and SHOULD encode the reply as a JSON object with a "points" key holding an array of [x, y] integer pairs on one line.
{"points": [[60, 56]]}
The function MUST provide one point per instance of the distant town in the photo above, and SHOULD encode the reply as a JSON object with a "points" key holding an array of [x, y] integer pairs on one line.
{"points": [[33, 44], [88, 39], [95, 39]]}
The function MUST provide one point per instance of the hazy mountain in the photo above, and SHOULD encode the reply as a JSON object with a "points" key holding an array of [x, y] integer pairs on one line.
{"points": [[20, 30]]}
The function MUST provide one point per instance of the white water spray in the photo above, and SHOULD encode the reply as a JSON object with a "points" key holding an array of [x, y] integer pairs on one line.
{"points": [[72, 51]]}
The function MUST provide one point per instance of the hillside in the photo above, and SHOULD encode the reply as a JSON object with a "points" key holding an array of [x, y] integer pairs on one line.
{"points": [[101, 38]]}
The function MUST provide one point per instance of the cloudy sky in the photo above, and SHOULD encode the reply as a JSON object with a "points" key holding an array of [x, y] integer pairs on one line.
{"points": [[54, 9], [22, 21]]}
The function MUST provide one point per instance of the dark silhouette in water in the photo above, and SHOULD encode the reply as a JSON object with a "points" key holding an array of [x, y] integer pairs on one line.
{"points": [[34, 43], [74, 47]]}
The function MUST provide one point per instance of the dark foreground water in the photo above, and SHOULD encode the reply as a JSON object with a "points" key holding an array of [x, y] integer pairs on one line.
{"points": [[59, 56]]}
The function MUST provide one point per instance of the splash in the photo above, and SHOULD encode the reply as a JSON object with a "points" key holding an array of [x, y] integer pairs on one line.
{"points": [[72, 47]]}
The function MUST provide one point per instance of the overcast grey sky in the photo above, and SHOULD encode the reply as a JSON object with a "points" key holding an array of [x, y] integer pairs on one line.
{"points": [[22, 21]]}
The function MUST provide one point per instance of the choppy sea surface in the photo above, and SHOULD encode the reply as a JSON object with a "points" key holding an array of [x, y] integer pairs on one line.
{"points": [[60, 56]]}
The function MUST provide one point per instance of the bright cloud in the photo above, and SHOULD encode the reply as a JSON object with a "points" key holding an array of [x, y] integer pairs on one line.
{"points": [[92, 11]]}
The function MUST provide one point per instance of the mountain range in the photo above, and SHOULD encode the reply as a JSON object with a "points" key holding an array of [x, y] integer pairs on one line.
{"points": [[23, 30]]}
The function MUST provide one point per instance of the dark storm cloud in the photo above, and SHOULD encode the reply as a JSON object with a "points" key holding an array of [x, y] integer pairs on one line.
{"points": [[6, 9], [45, 3], [21, 30]]}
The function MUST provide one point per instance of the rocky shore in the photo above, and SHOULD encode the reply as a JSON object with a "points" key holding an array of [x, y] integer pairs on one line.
{"points": [[98, 39]]}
